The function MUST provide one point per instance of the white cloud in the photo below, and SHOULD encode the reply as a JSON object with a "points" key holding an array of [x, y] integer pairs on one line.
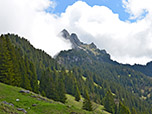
{"points": [[29, 19], [137, 7], [126, 42]]}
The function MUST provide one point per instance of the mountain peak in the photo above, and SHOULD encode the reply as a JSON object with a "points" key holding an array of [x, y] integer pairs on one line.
{"points": [[92, 45], [76, 43], [65, 34]]}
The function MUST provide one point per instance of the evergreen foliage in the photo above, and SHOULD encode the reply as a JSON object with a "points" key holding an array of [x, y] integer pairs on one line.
{"points": [[39, 58], [14, 69], [87, 105], [6, 64], [108, 102], [123, 109], [133, 111], [77, 93], [61, 91], [52, 86]]}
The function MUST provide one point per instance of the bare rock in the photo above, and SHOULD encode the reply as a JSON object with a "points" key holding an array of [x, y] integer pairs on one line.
{"points": [[4, 102], [24, 91], [34, 104], [21, 109]]}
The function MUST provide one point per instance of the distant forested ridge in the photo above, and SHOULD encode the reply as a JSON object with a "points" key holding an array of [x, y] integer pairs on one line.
{"points": [[87, 72], [145, 69]]}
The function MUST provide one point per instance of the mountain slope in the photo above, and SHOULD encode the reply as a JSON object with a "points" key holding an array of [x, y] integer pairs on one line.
{"points": [[89, 57], [39, 58], [12, 100]]}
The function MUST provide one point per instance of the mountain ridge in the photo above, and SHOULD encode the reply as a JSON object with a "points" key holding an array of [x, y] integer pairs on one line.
{"points": [[91, 49], [77, 44]]}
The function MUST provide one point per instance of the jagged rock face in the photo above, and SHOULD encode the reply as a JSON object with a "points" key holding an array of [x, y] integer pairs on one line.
{"points": [[92, 45], [76, 44], [74, 39], [81, 52], [65, 34]]}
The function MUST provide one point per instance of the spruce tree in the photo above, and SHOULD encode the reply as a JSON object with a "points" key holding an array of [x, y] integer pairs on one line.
{"points": [[16, 58], [69, 83], [61, 91], [43, 84], [87, 105], [48, 85], [26, 76], [15, 77], [77, 92], [33, 78], [25, 82], [108, 102], [123, 109], [133, 111], [6, 65]]}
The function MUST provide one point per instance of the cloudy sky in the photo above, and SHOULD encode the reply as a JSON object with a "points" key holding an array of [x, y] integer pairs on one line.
{"points": [[122, 27]]}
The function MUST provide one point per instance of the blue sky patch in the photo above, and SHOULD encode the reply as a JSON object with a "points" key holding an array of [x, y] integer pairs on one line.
{"points": [[115, 5]]}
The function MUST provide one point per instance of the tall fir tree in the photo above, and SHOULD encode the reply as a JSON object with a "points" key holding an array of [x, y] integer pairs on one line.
{"points": [[61, 91], [33, 78], [48, 86], [15, 75], [123, 109], [77, 92], [6, 65], [87, 105], [25, 82], [108, 102], [133, 111], [43, 84]]}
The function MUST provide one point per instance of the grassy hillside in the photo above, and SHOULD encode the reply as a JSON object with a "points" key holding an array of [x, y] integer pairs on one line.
{"points": [[98, 109], [11, 100]]}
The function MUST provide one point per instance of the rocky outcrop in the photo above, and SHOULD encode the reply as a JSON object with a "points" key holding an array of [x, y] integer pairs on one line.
{"points": [[76, 43]]}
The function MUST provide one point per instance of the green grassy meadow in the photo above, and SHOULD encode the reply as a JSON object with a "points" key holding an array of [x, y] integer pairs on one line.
{"points": [[36, 104]]}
